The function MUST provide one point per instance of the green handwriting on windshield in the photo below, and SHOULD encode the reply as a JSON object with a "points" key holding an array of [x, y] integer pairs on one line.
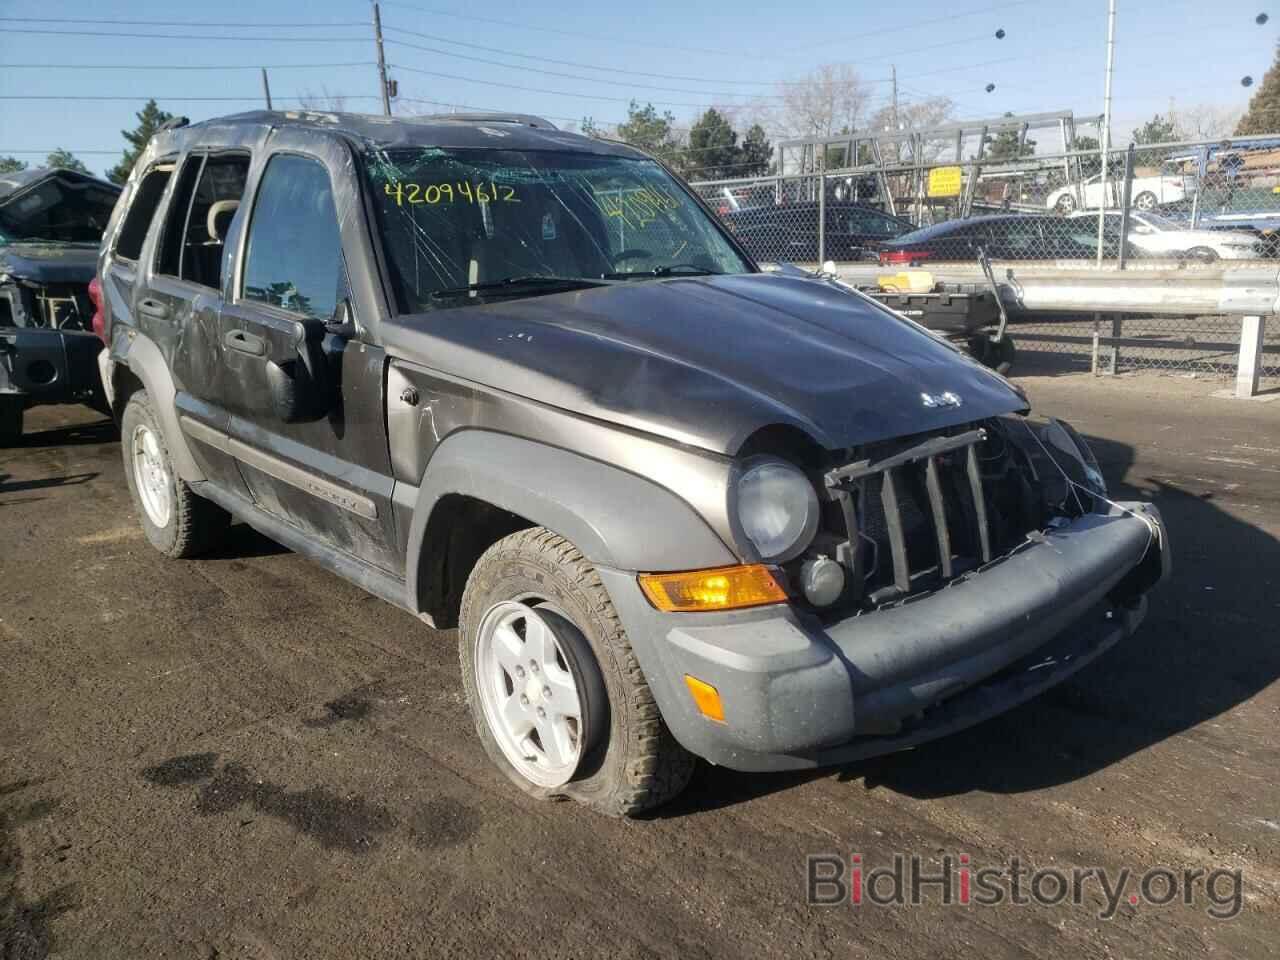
{"points": [[636, 207], [457, 192]]}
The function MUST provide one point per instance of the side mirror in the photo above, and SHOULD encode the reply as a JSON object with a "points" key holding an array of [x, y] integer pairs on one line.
{"points": [[341, 324], [305, 387]]}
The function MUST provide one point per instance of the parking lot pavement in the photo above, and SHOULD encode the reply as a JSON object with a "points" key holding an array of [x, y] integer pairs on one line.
{"points": [[244, 756]]}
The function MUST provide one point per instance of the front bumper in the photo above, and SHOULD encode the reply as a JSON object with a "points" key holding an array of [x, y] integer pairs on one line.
{"points": [[799, 695]]}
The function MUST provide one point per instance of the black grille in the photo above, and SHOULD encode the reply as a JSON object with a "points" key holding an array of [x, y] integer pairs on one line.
{"points": [[917, 513]]}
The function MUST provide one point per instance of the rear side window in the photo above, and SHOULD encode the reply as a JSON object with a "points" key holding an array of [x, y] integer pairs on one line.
{"points": [[204, 203], [142, 210], [294, 260]]}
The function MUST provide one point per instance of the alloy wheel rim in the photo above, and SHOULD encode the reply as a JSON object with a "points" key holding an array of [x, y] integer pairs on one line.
{"points": [[528, 694], [151, 474]]}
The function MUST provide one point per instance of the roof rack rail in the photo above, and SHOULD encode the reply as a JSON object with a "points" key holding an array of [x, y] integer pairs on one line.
{"points": [[523, 119]]}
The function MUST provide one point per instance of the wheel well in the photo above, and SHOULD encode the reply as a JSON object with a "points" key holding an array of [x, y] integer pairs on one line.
{"points": [[124, 384], [459, 530]]}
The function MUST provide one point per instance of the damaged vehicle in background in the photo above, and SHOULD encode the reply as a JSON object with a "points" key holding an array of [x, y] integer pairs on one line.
{"points": [[51, 222], [522, 382]]}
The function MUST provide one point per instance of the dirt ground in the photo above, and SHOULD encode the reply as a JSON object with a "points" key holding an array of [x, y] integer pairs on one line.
{"points": [[246, 757]]}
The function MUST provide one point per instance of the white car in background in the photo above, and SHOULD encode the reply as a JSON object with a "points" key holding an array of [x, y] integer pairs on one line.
{"points": [[1152, 235], [1147, 193]]}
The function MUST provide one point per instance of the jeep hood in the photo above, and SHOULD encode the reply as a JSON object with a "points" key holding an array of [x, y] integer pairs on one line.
{"points": [[707, 361]]}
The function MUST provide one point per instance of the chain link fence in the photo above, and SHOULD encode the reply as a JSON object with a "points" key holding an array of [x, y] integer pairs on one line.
{"points": [[1188, 206], [1173, 204]]}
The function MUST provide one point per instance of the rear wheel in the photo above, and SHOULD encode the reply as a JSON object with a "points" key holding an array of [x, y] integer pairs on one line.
{"points": [[559, 702], [176, 521], [12, 406]]}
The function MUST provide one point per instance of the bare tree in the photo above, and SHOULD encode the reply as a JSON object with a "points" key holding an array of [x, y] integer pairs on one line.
{"points": [[1205, 121], [831, 100], [913, 117], [322, 101]]}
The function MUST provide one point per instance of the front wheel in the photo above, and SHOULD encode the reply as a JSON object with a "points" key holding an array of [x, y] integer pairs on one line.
{"points": [[176, 521], [1066, 204], [1203, 254], [558, 699]]}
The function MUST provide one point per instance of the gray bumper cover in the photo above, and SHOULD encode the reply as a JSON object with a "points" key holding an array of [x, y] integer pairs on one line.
{"points": [[798, 695]]}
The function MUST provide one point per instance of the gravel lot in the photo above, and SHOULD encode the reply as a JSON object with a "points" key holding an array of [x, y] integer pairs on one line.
{"points": [[245, 757]]}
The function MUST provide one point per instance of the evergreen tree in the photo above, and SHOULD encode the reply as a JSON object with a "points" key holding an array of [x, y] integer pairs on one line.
{"points": [[713, 152], [1156, 130], [150, 119], [1005, 145], [65, 160], [1263, 115], [650, 131], [756, 153]]}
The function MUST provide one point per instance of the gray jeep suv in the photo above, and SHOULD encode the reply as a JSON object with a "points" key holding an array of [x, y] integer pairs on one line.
{"points": [[522, 382]]}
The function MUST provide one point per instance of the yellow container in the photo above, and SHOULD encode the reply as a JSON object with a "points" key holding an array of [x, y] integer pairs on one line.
{"points": [[908, 281]]}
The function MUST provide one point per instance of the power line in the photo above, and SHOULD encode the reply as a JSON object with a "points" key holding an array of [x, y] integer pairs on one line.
{"points": [[167, 99], [181, 66], [601, 38], [638, 73], [187, 36], [528, 89], [575, 76], [566, 63], [86, 153], [929, 22], [183, 23]]}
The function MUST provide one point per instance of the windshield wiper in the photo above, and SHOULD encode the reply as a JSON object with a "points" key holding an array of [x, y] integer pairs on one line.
{"points": [[671, 270], [511, 284]]}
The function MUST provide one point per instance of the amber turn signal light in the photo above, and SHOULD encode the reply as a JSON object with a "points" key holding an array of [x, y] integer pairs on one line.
{"points": [[724, 588], [706, 698]]}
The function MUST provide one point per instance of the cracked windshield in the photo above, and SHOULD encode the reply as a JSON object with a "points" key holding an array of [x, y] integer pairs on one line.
{"points": [[468, 226]]}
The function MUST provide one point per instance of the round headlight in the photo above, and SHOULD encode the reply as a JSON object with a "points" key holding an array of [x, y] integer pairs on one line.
{"points": [[777, 509]]}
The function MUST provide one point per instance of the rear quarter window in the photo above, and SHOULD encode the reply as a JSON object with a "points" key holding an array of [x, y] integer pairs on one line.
{"points": [[142, 210]]}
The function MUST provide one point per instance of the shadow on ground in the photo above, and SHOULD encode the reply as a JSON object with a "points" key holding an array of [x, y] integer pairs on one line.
{"points": [[1208, 644], [99, 431]]}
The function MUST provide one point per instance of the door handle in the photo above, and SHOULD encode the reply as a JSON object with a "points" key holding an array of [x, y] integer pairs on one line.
{"points": [[153, 308], [242, 341]]}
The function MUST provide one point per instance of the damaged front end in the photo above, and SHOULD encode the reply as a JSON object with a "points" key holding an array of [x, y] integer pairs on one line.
{"points": [[977, 566], [51, 222], [909, 516]]}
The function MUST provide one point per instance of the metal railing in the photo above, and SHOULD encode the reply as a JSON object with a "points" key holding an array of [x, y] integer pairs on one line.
{"points": [[1189, 203], [1200, 223]]}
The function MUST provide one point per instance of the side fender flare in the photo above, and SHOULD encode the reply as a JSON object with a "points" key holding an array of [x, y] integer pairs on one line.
{"points": [[617, 519], [144, 359]]}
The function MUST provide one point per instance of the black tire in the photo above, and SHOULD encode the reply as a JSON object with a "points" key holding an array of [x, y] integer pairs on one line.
{"points": [[1203, 254], [195, 525], [636, 764], [1146, 200], [1066, 204], [12, 407], [1001, 354]]}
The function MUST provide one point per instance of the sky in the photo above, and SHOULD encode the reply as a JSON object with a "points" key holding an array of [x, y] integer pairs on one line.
{"points": [[1051, 58]]}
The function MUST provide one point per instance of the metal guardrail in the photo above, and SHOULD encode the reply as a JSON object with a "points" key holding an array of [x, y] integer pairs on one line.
{"points": [[1250, 292], [1171, 290]]}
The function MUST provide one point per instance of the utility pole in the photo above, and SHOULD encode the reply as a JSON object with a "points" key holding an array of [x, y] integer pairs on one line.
{"points": [[897, 147], [1106, 121], [266, 88], [382, 62]]}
